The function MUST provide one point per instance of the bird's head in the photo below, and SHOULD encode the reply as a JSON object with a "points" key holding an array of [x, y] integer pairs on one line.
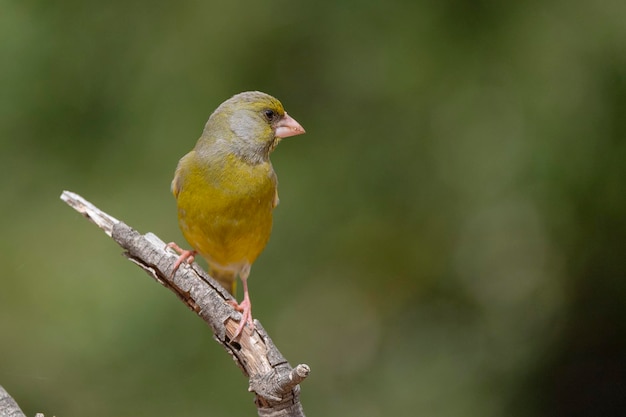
{"points": [[250, 124]]}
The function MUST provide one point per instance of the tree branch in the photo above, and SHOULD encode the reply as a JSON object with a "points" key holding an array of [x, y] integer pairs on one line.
{"points": [[8, 406], [271, 378]]}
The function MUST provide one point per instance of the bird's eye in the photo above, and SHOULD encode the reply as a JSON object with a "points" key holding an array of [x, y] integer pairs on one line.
{"points": [[269, 114]]}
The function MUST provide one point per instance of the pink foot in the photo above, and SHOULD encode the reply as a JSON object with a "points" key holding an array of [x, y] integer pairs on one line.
{"points": [[245, 308], [185, 256]]}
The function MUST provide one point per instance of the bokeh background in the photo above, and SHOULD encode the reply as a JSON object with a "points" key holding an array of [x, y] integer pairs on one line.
{"points": [[452, 229]]}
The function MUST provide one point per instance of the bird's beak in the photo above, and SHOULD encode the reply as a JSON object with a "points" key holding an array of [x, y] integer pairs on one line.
{"points": [[287, 126]]}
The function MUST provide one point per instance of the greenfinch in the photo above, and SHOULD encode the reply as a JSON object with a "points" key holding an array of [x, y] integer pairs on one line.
{"points": [[226, 189]]}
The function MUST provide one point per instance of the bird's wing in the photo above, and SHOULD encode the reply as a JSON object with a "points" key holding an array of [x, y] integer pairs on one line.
{"points": [[276, 199], [177, 182]]}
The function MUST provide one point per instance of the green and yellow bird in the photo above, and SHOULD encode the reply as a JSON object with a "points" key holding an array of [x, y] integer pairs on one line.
{"points": [[226, 189]]}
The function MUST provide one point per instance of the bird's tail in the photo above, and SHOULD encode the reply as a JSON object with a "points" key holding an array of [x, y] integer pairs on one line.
{"points": [[226, 278]]}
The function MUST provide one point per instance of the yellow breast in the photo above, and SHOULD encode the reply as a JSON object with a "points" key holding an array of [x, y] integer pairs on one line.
{"points": [[225, 208]]}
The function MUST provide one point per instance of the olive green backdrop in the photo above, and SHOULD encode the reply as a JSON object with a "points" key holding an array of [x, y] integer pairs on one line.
{"points": [[451, 238]]}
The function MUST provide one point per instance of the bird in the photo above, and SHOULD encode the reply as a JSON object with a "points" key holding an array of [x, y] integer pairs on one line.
{"points": [[226, 190]]}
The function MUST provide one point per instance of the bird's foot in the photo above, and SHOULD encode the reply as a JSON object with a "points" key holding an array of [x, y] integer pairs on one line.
{"points": [[245, 308], [185, 256]]}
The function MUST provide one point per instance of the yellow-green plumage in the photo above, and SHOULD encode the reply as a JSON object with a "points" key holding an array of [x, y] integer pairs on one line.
{"points": [[225, 211], [226, 188]]}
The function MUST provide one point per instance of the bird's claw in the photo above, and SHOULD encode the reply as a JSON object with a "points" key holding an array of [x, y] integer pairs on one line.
{"points": [[187, 256], [245, 308]]}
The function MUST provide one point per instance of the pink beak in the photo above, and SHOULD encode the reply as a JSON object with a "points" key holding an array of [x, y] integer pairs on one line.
{"points": [[287, 126]]}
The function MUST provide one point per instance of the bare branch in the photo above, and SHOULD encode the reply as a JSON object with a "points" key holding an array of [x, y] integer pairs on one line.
{"points": [[8, 406], [271, 378]]}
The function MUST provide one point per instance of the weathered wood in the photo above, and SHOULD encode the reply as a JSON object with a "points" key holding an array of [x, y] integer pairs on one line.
{"points": [[8, 406], [271, 378]]}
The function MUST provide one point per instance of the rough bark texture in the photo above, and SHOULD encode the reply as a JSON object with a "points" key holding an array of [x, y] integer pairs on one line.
{"points": [[8, 406], [271, 378]]}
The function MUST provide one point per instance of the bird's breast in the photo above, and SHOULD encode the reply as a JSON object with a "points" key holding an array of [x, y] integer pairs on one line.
{"points": [[225, 209]]}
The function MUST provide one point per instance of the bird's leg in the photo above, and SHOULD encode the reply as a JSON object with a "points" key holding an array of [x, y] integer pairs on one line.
{"points": [[245, 307], [185, 256]]}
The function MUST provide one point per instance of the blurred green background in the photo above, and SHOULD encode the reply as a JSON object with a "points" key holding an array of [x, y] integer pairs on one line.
{"points": [[452, 229]]}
